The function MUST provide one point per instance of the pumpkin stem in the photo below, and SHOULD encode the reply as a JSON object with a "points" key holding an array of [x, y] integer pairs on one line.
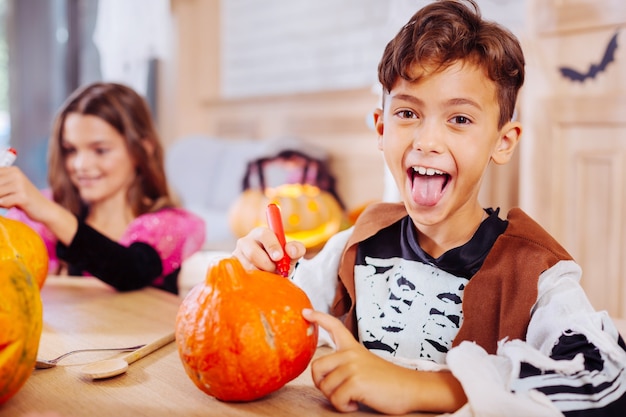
{"points": [[226, 270]]}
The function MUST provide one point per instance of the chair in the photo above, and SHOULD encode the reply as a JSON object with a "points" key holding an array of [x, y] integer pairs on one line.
{"points": [[205, 173]]}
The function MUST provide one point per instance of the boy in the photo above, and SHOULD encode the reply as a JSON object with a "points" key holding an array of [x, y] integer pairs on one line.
{"points": [[449, 303]]}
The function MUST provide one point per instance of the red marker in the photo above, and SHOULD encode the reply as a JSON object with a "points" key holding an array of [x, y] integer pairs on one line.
{"points": [[7, 157], [275, 222]]}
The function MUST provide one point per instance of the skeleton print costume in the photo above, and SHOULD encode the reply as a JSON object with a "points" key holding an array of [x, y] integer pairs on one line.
{"points": [[504, 313]]}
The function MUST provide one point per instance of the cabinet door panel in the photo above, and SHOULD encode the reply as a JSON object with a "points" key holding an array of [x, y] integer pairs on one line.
{"points": [[573, 164], [592, 210]]}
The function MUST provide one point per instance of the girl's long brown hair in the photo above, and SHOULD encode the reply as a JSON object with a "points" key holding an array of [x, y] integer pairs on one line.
{"points": [[128, 113]]}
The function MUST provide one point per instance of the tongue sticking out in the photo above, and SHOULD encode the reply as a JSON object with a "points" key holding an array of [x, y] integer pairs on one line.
{"points": [[427, 189]]}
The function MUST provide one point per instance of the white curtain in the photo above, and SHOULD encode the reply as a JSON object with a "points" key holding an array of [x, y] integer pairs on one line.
{"points": [[128, 35]]}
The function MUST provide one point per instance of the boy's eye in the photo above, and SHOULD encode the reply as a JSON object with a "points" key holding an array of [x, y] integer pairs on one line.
{"points": [[101, 151], [460, 120], [406, 114]]}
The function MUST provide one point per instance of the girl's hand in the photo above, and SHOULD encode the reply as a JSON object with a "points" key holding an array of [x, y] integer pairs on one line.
{"points": [[353, 375], [16, 190], [260, 249]]}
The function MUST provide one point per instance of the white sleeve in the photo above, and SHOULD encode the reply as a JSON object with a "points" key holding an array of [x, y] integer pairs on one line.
{"points": [[318, 276], [573, 357]]}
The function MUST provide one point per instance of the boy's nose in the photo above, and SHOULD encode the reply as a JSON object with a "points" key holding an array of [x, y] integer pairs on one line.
{"points": [[428, 138]]}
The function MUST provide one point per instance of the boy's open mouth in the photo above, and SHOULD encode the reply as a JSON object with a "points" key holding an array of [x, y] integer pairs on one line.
{"points": [[427, 184]]}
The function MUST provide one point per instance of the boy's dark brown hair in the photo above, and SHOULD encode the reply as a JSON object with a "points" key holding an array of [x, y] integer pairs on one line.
{"points": [[129, 114], [448, 31]]}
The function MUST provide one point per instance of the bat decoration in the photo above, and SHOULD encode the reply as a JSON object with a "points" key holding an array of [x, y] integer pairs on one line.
{"points": [[594, 69]]}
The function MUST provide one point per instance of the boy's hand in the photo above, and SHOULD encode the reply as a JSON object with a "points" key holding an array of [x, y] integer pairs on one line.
{"points": [[260, 249], [352, 375]]}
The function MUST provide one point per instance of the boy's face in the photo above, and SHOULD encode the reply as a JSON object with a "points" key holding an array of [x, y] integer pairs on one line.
{"points": [[438, 135]]}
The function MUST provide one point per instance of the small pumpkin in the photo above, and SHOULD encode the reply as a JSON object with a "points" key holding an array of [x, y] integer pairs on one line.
{"points": [[310, 215], [21, 321], [19, 241], [241, 335], [302, 186]]}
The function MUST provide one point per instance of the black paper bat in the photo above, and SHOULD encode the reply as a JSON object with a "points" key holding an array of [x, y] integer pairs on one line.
{"points": [[594, 69]]}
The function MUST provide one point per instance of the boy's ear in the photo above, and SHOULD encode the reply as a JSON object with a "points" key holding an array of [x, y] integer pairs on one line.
{"points": [[379, 126], [509, 138]]}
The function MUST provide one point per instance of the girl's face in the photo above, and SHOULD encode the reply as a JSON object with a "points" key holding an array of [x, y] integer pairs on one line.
{"points": [[96, 158], [438, 135]]}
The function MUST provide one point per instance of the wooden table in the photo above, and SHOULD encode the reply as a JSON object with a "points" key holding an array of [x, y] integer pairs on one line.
{"points": [[84, 313]]}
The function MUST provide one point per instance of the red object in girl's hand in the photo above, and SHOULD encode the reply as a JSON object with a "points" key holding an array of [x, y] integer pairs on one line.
{"points": [[275, 223], [7, 157]]}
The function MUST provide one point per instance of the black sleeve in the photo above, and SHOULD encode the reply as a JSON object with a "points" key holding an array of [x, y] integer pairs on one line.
{"points": [[124, 268]]}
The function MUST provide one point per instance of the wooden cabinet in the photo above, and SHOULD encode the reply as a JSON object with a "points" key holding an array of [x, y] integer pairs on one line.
{"points": [[573, 156]]}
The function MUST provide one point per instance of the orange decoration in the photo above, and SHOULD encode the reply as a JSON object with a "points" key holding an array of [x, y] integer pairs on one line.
{"points": [[21, 321], [241, 334], [19, 241], [310, 215]]}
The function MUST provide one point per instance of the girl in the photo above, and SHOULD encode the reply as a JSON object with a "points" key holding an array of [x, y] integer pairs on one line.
{"points": [[108, 212]]}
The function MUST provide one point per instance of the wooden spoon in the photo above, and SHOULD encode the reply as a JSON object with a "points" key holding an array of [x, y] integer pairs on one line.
{"points": [[113, 367]]}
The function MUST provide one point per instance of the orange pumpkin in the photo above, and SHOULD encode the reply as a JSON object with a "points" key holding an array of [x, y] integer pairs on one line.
{"points": [[19, 241], [21, 320], [241, 334], [310, 215]]}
